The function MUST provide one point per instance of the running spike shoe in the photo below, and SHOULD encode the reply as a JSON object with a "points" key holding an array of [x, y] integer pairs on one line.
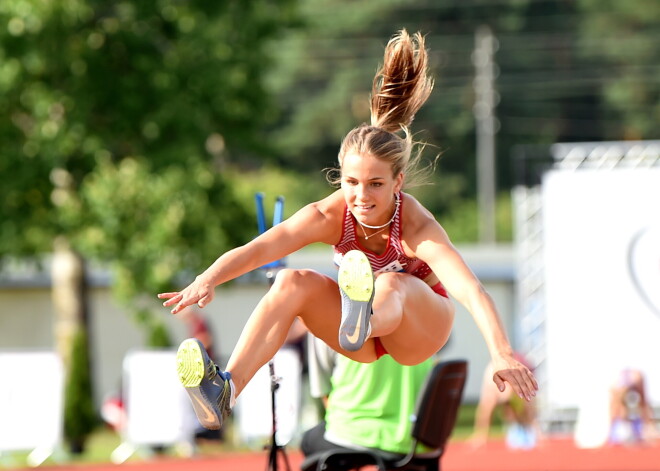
{"points": [[356, 285], [208, 387]]}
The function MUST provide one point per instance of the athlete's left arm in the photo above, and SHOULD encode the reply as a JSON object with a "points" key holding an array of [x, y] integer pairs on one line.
{"points": [[431, 243]]}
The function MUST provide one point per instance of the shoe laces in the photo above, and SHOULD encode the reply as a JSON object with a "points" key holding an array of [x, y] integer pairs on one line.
{"points": [[212, 370]]}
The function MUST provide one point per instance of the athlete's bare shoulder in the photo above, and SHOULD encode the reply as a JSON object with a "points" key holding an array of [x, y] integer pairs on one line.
{"points": [[325, 217], [415, 215], [333, 203], [418, 223]]}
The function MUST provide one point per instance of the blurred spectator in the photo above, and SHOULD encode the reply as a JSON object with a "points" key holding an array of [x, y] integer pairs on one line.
{"points": [[631, 416], [113, 411], [518, 415], [373, 411], [199, 328]]}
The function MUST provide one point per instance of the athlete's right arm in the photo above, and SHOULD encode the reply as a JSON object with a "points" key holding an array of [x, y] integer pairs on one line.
{"points": [[316, 222]]}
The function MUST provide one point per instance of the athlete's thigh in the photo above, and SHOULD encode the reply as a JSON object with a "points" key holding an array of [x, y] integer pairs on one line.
{"points": [[425, 323], [321, 314]]}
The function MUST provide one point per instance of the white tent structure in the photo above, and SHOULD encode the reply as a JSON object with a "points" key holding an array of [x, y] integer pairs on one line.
{"points": [[588, 242]]}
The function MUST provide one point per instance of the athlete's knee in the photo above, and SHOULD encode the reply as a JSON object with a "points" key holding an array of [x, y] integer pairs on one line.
{"points": [[391, 281], [295, 278]]}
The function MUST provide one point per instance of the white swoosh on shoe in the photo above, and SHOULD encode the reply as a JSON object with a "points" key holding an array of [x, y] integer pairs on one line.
{"points": [[353, 338], [205, 416]]}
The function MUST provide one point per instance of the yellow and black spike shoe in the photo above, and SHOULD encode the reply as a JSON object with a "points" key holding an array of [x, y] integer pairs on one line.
{"points": [[208, 387], [356, 285]]}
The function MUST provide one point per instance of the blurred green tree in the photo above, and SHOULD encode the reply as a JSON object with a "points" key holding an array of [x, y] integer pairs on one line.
{"points": [[80, 417], [624, 36], [117, 119]]}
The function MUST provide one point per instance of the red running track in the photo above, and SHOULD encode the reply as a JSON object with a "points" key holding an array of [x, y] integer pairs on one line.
{"points": [[551, 455]]}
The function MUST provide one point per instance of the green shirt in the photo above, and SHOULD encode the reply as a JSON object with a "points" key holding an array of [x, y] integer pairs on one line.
{"points": [[371, 404]]}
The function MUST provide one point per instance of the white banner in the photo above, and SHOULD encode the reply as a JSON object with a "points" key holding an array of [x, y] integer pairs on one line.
{"points": [[253, 412], [602, 272], [158, 411], [31, 401]]}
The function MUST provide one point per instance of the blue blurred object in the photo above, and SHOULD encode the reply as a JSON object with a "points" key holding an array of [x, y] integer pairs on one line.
{"points": [[520, 437], [278, 215], [261, 215]]}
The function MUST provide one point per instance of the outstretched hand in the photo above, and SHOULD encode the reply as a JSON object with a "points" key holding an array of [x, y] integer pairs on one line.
{"points": [[198, 292], [520, 378]]}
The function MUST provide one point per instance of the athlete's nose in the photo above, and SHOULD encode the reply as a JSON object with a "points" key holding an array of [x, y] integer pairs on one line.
{"points": [[361, 194]]}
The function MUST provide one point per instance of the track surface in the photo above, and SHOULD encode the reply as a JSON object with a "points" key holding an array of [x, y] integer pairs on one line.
{"points": [[551, 455]]}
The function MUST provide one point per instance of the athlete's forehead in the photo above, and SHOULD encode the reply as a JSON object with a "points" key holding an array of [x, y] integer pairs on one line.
{"points": [[365, 167]]}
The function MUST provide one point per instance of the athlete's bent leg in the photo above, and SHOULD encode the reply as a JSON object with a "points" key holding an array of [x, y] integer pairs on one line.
{"points": [[408, 312]]}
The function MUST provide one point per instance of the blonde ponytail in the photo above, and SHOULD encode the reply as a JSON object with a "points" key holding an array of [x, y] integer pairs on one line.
{"points": [[400, 88], [402, 85]]}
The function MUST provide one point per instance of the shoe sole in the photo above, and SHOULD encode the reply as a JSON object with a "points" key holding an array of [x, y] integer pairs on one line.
{"points": [[191, 369], [356, 284], [190, 364]]}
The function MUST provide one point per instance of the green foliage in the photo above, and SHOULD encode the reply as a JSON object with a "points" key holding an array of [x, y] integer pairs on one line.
{"points": [[159, 336], [618, 33], [86, 82], [80, 416], [152, 226], [298, 189], [462, 221], [116, 119]]}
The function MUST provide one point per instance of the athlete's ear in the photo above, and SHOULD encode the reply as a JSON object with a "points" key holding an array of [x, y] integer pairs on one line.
{"points": [[398, 182]]}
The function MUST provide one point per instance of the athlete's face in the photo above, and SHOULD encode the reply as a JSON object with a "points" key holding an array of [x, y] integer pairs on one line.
{"points": [[369, 188]]}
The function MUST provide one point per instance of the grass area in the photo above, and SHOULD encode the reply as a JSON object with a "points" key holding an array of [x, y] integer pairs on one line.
{"points": [[100, 445], [98, 449], [104, 441]]}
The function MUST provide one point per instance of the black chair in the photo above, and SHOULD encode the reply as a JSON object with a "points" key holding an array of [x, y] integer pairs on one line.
{"points": [[435, 416]]}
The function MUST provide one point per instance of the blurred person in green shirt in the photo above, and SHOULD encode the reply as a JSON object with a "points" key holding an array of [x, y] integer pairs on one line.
{"points": [[367, 405]]}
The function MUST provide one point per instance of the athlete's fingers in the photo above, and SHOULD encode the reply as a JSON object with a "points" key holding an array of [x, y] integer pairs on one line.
{"points": [[530, 382], [535, 382], [173, 300], [499, 382], [205, 300], [515, 383], [180, 306], [526, 384]]}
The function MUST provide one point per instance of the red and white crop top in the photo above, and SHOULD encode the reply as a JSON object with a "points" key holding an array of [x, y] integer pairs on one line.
{"points": [[393, 259]]}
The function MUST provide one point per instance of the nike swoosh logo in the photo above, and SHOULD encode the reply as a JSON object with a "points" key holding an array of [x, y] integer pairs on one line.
{"points": [[356, 333], [205, 416]]}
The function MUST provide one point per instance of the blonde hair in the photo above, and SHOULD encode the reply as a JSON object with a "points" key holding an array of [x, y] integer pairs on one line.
{"points": [[400, 88]]}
